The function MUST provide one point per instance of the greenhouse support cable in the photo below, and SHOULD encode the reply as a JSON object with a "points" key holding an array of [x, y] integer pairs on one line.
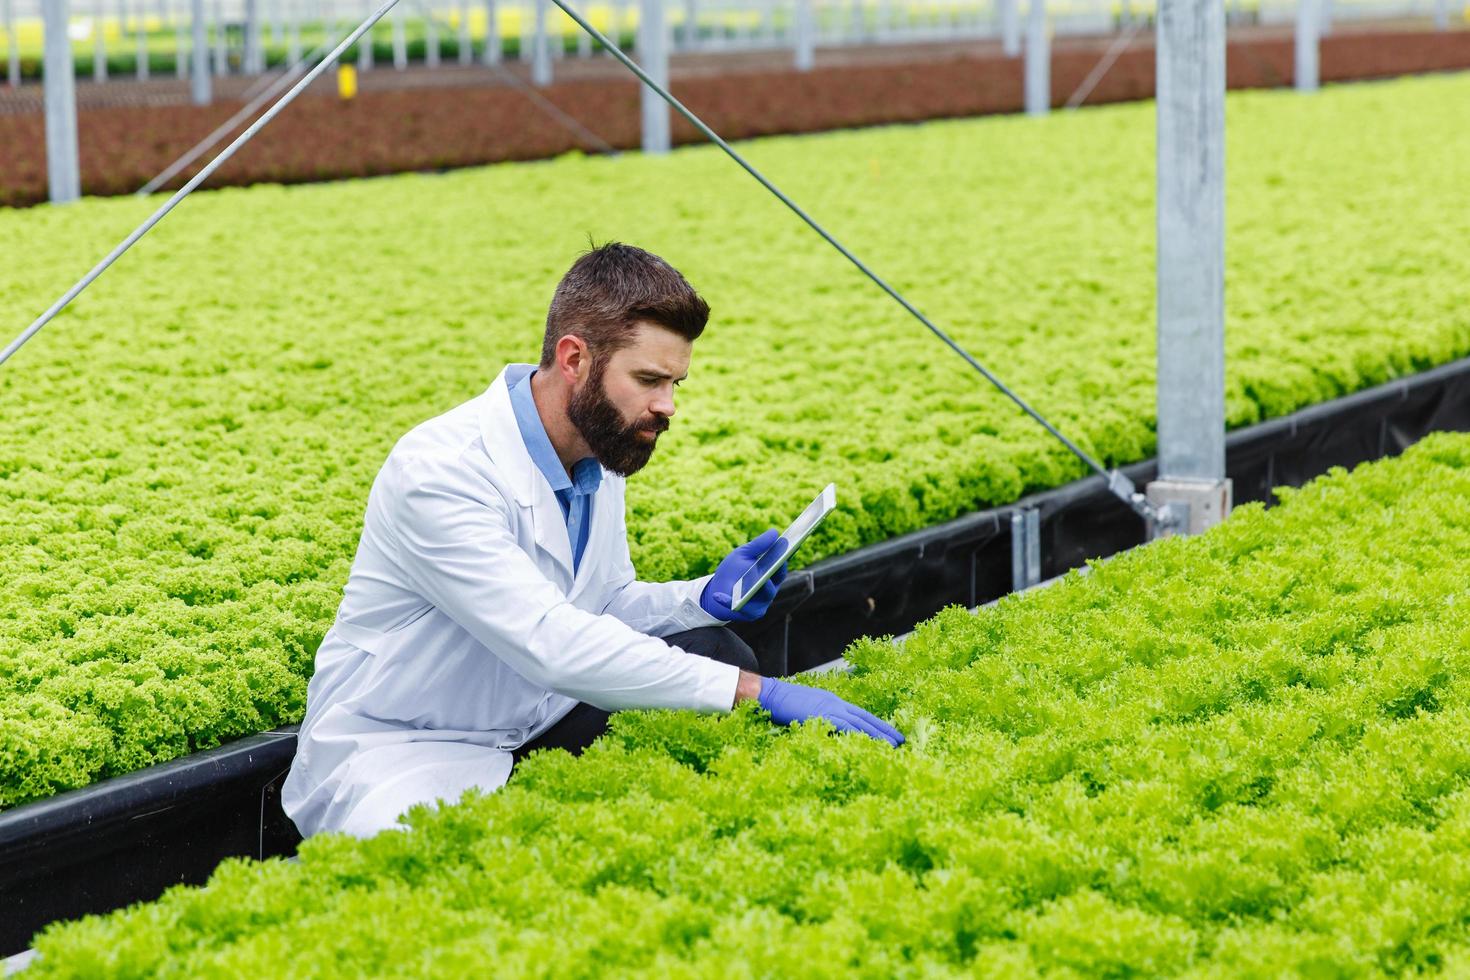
{"points": [[567, 120], [188, 188], [1117, 482], [228, 126], [1104, 65]]}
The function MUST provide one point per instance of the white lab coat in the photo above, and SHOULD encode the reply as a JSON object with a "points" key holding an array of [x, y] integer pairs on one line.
{"points": [[463, 632]]}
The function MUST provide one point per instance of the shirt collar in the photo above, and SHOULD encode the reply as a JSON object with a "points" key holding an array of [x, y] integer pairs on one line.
{"points": [[586, 472]]}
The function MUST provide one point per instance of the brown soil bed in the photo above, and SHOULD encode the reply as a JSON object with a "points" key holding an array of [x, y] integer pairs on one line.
{"points": [[425, 128]]}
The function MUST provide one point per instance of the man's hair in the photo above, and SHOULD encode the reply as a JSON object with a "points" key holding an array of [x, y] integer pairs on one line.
{"points": [[612, 287]]}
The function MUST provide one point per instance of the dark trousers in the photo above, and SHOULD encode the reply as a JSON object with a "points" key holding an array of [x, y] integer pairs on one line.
{"points": [[576, 730]]}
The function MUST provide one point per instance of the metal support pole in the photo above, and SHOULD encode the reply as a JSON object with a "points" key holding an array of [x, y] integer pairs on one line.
{"points": [[1025, 548], [181, 61], [541, 47], [293, 34], [365, 51], [99, 42], [690, 28], [199, 81], [1307, 45], [806, 35], [12, 47], [252, 37], [140, 41], [492, 34], [1010, 27], [431, 37], [1038, 61], [653, 57], [221, 62], [1191, 265], [466, 50], [1441, 15], [63, 174], [400, 40]]}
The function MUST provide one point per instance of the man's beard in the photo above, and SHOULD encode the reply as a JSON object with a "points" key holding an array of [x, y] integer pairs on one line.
{"points": [[618, 447]]}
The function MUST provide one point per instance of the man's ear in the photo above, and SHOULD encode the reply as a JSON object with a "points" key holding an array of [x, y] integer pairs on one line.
{"points": [[573, 360]]}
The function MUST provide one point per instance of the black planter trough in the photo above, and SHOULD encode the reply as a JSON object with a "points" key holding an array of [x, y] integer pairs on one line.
{"points": [[126, 839]]}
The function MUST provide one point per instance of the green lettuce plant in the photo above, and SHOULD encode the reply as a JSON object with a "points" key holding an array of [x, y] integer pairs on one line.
{"points": [[1242, 753]]}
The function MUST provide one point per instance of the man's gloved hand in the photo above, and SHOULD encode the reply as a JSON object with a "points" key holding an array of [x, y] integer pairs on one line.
{"points": [[716, 597], [791, 703]]}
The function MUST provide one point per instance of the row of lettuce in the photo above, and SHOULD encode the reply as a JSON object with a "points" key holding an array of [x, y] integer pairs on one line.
{"points": [[1239, 754], [186, 452]]}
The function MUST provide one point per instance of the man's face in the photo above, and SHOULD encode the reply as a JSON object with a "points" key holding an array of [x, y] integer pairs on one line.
{"points": [[628, 398]]}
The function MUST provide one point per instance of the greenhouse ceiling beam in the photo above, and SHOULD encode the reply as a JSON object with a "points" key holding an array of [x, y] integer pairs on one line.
{"points": [[1191, 266], [1117, 483]]}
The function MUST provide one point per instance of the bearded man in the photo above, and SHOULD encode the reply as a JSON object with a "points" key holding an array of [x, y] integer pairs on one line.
{"points": [[492, 608]]}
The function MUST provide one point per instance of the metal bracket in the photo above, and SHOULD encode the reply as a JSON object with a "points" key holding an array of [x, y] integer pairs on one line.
{"points": [[1187, 506], [1154, 517], [1025, 548]]}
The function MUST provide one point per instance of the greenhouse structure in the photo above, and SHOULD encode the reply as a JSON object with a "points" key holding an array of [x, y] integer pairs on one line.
{"points": [[1056, 564]]}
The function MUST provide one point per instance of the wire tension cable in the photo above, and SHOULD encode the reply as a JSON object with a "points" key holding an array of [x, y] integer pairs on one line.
{"points": [[199, 178]]}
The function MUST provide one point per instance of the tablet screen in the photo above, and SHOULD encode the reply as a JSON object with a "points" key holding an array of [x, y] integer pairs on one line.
{"points": [[767, 564]]}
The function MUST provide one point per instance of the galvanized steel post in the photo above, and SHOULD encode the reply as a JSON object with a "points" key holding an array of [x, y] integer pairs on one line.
{"points": [[140, 40], [431, 36], [1191, 263], [181, 63], [1025, 548], [653, 57], [400, 40], [365, 52], [199, 80], [12, 45], [1441, 15], [541, 47], [252, 37], [99, 44], [221, 60], [1010, 27], [466, 50], [1038, 61], [63, 177], [1307, 43], [806, 35], [492, 34]]}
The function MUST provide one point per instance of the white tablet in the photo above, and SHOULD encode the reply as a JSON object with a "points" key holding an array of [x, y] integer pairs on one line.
{"points": [[765, 566]]}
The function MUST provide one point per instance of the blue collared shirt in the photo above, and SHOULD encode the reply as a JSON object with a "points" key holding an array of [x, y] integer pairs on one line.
{"points": [[575, 494]]}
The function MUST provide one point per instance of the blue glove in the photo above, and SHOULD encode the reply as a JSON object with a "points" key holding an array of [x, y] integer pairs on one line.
{"points": [[715, 599], [790, 703]]}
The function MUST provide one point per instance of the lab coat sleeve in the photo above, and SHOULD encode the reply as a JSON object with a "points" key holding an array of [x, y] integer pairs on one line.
{"points": [[660, 608], [655, 608], [454, 542]]}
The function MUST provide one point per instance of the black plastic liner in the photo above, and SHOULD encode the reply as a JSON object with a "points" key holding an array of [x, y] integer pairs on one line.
{"points": [[126, 839]]}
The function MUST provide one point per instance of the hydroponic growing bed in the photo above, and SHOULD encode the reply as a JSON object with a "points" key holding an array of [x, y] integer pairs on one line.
{"points": [[186, 452], [1242, 752], [127, 838]]}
